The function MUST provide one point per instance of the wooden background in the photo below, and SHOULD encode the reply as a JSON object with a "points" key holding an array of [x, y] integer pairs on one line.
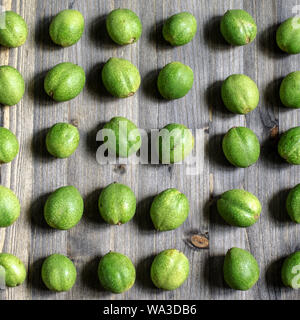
{"points": [[34, 174]]}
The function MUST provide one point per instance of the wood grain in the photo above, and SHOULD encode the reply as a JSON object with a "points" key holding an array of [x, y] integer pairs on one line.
{"points": [[34, 174]]}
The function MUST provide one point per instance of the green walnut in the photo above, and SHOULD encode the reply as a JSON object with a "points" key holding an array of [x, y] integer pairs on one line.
{"points": [[289, 146], [176, 142], [120, 77], [239, 208], [12, 86], [290, 90], [15, 272], [169, 210], [288, 36], [290, 271], [64, 208], [64, 81], [241, 147], [9, 207], [67, 27], [9, 145], [240, 94], [180, 28], [58, 273], [117, 204], [293, 204], [122, 137], [62, 140], [238, 27], [241, 270], [123, 26], [175, 80], [13, 31], [170, 269], [116, 272]]}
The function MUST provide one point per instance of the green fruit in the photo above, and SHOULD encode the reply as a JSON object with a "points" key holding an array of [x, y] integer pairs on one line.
{"points": [[62, 140], [175, 80], [12, 86], [238, 27], [123, 26], [293, 204], [169, 269], [240, 94], [176, 142], [124, 139], [180, 28], [169, 210], [241, 147], [290, 272], [289, 146], [241, 270], [239, 208], [63, 208], [64, 81], [67, 27], [116, 272], [13, 29], [288, 36], [117, 203], [120, 77], [9, 207], [58, 273], [9, 145], [290, 91], [15, 272]]}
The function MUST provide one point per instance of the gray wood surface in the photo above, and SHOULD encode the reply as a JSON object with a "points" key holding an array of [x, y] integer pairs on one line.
{"points": [[34, 174]]}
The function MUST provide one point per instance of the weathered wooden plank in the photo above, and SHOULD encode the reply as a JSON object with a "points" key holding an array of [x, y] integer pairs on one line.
{"points": [[17, 118]]}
